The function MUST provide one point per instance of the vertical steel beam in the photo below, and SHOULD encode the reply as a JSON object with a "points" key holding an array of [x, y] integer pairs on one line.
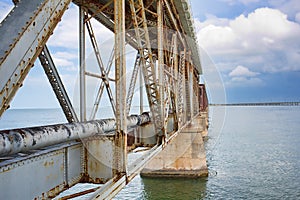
{"points": [[187, 88], [176, 69], [132, 83], [181, 87], [82, 79], [141, 92], [174, 91], [120, 76], [191, 88], [196, 92], [161, 63]]}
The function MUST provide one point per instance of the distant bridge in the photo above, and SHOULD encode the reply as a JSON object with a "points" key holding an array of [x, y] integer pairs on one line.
{"points": [[260, 104], [42, 162]]}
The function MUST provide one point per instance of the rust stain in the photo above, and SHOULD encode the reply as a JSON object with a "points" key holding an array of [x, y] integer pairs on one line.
{"points": [[54, 191], [48, 163], [62, 167], [6, 170]]}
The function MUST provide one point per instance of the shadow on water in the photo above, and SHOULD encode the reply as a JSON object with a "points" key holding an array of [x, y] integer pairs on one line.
{"points": [[174, 188]]}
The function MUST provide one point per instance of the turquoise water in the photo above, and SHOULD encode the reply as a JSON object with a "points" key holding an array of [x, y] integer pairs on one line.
{"points": [[255, 156]]}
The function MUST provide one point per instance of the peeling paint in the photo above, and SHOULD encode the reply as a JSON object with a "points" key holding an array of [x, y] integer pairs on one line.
{"points": [[18, 140]]}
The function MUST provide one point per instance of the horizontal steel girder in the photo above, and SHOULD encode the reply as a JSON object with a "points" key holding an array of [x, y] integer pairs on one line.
{"points": [[43, 174], [22, 140]]}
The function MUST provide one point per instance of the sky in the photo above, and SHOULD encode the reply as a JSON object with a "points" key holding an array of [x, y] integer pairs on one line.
{"points": [[255, 46], [250, 51]]}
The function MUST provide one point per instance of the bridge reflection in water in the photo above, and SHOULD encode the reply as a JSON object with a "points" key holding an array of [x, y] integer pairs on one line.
{"points": [[42, 162]]}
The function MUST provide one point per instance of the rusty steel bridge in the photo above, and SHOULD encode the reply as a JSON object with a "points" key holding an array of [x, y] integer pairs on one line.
{"points": [[43, 162]]}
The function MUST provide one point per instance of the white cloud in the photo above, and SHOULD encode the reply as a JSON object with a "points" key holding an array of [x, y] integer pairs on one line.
{"points": [[217, 36], [264, 22], [66, 33], [264, 41], [241, 71], [244, 82], [67, 60]]}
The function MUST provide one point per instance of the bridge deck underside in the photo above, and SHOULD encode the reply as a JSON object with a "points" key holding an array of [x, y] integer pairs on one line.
{"points": [[103, 11]]}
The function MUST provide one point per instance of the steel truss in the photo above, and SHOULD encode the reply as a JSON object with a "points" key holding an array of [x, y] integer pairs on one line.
{"points": [[57, 85], [147, 58], [103, 73]]}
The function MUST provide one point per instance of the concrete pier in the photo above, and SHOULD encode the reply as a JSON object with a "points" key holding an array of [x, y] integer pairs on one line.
{"points": [[184, 156]]}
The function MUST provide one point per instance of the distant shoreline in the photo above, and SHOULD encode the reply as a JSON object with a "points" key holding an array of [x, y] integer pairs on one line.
{"points": [[259, 104]]}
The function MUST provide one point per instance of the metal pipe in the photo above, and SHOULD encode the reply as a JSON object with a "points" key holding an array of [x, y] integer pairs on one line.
{"points": [[26, 139]]}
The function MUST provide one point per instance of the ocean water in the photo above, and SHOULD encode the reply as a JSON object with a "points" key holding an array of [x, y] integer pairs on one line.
{"points": [[256, 155], [252, 153]]}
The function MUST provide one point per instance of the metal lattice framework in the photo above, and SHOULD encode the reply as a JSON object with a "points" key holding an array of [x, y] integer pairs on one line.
{"points": [[167, 57], [144, 47]]}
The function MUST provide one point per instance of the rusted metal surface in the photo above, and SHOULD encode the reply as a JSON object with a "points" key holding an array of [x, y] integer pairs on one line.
{"points": [[171, 12], [111, 188], [78, 194], [203, 100], [174, 60], [139, 19], [120, 156], [181, 86], [18, 140], [191, 89], [162, 83], [183, 8], [100, 166], [188, 92]]}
